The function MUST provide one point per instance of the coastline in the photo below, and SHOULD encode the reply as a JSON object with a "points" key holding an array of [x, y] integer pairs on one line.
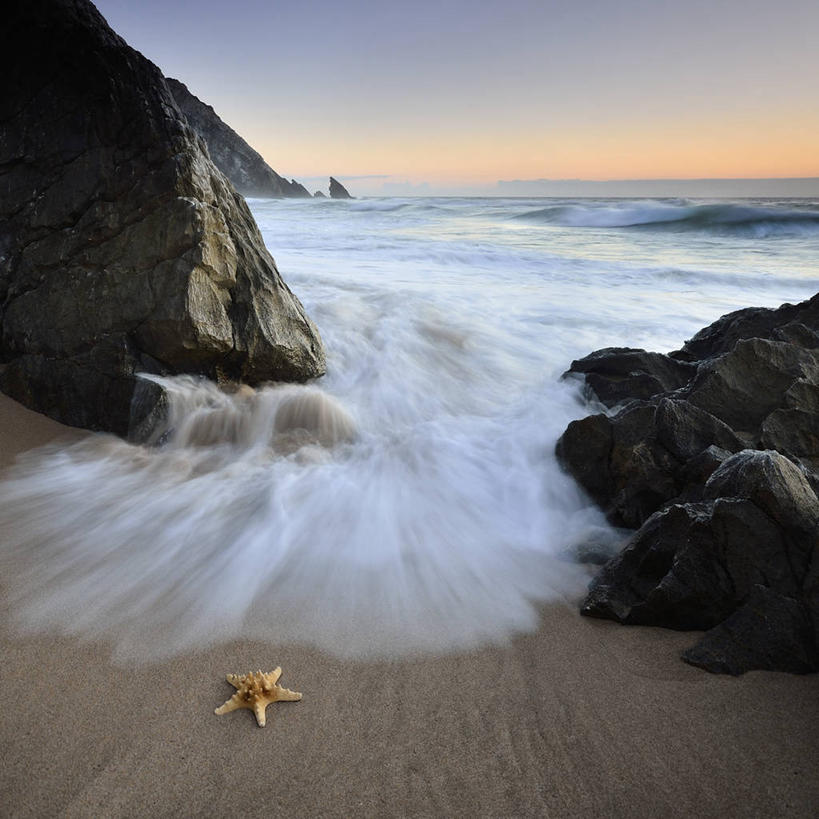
{"points": [[581, 718]]}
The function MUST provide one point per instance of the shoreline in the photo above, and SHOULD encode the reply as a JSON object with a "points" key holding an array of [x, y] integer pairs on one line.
{"points": [[580, 718]]}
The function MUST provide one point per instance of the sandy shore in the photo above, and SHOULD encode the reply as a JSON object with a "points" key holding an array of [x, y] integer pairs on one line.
{"points": [[583, 718]]}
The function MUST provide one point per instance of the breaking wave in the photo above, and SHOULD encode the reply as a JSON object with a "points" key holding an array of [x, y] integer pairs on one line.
{"points": [[757, 220]]}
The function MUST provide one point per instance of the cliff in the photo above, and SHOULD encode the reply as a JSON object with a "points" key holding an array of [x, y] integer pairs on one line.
{"points": [[243, 166]]}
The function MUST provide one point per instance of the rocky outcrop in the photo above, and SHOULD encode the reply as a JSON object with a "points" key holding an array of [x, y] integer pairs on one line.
{"points": [[714, 461], [319, 195], [337, 190], [122, 247], [243, 166]]}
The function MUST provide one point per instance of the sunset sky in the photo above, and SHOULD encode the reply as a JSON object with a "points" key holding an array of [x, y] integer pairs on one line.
{"points": [[452, 95]]}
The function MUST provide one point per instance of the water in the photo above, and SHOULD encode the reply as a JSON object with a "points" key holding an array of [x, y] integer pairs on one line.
{"points": [[409, 501]]}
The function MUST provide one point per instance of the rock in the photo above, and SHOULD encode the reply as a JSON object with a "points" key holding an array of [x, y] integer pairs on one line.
{"points": [[617, 374], [743, 386], [634, 462], [752, 322], [242, 165], [337, 190], [319, 195], [768, 632], [298, 190], [122, 247], [742, 564], [692, 565], [728, 535]]}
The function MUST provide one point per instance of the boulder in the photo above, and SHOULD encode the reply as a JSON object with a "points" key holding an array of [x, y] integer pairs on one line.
{"points": [[617, 374], [122, 247], [337, 190], [240, 163], [752, 322], [742, 564], [713, 452]]}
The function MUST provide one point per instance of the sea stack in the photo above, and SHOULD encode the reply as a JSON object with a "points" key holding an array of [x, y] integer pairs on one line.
{"points": [[122, 247], [240, 163], [337, 190]]}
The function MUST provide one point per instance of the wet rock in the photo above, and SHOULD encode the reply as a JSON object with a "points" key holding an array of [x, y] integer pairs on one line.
{"points": [[120, 241], [719, 470], [337, 190], [240, 163], [617, 374]]}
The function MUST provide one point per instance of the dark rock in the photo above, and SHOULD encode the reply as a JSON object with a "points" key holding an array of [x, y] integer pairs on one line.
{"points": [[768, 632], [634, 462], [298, 190], [690, 566], [242, 165], [742, 387], [319, 195], [337, 190], [120, 242], [752, 322], [617, 374], [742, 564]]}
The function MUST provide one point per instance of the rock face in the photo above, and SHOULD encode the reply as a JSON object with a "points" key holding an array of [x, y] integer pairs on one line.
{"points": [[337, 190], [243, 166], [714, 460], [122, 247]]}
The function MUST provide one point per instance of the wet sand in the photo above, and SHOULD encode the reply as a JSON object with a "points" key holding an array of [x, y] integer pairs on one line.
{"points": [[582, 718]]}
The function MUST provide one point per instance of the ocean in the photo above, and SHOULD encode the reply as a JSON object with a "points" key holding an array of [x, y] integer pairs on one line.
{"points": [[427, 513]]}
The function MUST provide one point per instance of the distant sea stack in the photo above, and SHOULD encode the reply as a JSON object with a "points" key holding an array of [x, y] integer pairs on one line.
{"points": [[320, 195], [122, 247], [243, 166], [337, 190]]}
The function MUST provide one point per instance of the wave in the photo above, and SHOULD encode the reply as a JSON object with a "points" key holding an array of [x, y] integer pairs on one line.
{"points": [[714, 217]]}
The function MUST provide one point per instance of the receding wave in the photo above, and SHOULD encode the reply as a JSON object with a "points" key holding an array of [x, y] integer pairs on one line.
{"points": [[273, 514], [719, 217]]}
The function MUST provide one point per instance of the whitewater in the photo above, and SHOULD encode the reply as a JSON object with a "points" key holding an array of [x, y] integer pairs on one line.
{"points": [[409, 501]]}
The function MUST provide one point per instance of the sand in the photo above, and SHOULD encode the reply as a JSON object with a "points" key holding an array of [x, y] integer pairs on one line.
{"points": [[582, 718]]}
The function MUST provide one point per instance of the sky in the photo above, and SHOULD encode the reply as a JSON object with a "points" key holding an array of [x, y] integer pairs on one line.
{"points": [[456, 96]]}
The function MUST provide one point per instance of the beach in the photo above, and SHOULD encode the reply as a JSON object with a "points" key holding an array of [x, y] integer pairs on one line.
{"points": [[581, 718]]}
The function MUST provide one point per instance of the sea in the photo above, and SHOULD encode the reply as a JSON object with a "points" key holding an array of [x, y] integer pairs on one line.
{"points": [[408, 502]]}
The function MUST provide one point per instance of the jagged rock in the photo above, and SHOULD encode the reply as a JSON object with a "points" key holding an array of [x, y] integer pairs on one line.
{"points": [[337, 190], [634, 462], [729, 536], [768, 632], [694, 565], [242, 165], [122, 247], [298, 190], [743, 386], [319, 195], [617, 374], [752, 322]]}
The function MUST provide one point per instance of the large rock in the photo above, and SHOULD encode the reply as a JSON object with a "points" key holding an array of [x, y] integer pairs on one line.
{"points": [[726, 542], [796, 323], [122, 247], [242, 165], [741, 564], [337, 190]]}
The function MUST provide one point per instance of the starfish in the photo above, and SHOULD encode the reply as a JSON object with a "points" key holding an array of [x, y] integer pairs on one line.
{"points": [[256, 690]]}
